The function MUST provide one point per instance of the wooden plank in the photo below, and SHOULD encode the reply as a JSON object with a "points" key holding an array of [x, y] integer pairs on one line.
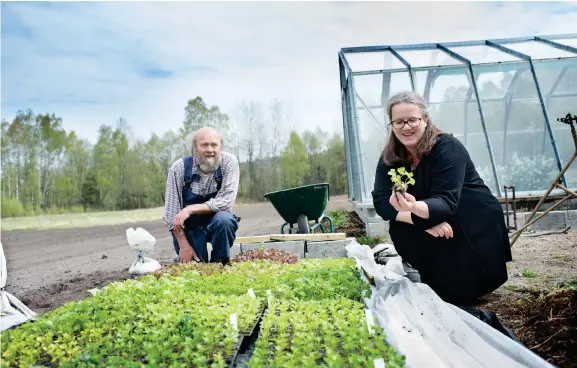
{"points": [[252, 239], [369, 276], [311, 237]]}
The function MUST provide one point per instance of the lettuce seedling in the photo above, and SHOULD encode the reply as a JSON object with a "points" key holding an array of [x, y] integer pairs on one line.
{"points": [[401, 185]]}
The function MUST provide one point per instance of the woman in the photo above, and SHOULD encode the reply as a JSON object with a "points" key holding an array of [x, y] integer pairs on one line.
{"points": [[447, 224]]}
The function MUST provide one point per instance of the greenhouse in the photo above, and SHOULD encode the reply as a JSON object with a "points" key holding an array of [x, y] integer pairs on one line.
{"points": [[502, 98]]}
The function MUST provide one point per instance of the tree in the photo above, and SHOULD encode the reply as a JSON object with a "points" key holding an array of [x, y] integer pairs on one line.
{"points": [[249, 116], [197, 114], [295, 162]]}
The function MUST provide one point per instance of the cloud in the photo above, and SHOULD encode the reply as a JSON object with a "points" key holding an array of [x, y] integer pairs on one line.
{"points": [[91, 63]]}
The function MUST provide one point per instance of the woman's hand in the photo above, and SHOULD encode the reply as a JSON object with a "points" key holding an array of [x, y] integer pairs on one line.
{"points": [[442, 230], [402, 202]]}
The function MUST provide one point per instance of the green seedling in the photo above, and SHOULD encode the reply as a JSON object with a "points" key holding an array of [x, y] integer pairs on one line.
{"points": [[401, 185]]}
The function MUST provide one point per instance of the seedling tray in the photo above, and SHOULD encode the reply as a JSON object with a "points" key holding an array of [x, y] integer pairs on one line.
{"points": [[231, 360], [252, 329]]}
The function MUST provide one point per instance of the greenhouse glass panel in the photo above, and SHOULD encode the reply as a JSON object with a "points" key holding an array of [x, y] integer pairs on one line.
{"points": [[453, 80], [453, 107], [566, 41], [516, 126], [365, 61], [372, 94], [483, 54], [427, 58], [560, 99], [538, 50]]}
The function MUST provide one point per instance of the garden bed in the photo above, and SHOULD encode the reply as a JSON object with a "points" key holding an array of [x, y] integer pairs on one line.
{"points": [[329, 332], [181, 317]]}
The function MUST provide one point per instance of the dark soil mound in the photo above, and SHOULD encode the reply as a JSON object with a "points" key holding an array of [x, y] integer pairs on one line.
{"points": [[545, 322], [353, 227]]}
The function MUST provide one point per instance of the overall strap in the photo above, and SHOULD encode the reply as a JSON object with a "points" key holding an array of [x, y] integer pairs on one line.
{"points": [[218, 178], [187, 170]]}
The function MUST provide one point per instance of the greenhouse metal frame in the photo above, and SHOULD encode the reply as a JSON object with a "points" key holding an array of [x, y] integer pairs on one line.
{"points": [[528, 57]]}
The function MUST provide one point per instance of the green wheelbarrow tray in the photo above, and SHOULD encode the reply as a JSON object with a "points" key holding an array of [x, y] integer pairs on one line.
{"points": [[300, 205]]}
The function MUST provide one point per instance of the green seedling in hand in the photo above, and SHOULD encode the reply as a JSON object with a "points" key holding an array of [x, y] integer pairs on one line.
{"points": [[400, 185]]}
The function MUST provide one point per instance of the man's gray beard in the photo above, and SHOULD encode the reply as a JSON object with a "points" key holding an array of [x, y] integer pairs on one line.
{"points": [[206, 166]]}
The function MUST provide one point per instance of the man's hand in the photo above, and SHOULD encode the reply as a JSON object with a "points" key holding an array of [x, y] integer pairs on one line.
{"points": [[402, 202], [186, 254], [178, 222], [442, 230]]}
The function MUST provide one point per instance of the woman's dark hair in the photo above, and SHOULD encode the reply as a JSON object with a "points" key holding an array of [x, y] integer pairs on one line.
{"points": [[395, 152]]}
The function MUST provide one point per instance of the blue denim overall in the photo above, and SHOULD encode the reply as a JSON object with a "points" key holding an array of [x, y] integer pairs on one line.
{"points": [[218, 228]]}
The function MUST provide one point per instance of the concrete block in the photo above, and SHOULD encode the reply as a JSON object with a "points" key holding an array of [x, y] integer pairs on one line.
{"points": [[552, 221], [327, 249], [520, 219], [377, 228], [571, 219], [297, 247], [234, 251]]}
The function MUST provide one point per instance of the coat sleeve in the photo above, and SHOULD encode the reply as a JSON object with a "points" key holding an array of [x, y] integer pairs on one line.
{"points": [[382, 192], [448, 163]]}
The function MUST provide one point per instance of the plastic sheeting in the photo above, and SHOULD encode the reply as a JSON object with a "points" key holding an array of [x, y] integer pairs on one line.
{"points": [[429, 331], [12, 311], [143, 242]]}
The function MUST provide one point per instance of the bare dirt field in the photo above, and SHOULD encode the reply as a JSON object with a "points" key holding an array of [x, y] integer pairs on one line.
{"points": [[47, 268]]}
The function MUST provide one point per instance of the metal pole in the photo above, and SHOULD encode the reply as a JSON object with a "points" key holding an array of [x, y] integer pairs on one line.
{"points": [[408, 65], [466, 115], [346, 124], [557, 45], [431, 76], [356, 139]]}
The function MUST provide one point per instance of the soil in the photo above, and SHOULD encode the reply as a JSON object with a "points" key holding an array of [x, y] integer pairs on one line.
{"points": [[354, 226], [47, 268]]}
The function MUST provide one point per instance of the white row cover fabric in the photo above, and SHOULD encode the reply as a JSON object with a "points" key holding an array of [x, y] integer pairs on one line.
{"points": [[428, 331], [12, 311], [143, 242]]}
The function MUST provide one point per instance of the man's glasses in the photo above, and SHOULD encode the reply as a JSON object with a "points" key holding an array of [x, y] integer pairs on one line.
{"points": [[412, 122]]}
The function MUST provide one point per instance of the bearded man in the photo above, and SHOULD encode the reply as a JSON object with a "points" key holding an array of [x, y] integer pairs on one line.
{"points": [[200, 192]]}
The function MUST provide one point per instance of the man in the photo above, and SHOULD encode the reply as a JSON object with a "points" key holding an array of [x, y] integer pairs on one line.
{"points": [[200, 192]]}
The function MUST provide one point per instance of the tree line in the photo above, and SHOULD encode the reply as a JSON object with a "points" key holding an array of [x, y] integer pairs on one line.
{"points": [[48, 170]]}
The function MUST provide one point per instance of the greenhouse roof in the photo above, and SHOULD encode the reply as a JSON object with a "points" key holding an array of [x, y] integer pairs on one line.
{"points": [[376, 59]]}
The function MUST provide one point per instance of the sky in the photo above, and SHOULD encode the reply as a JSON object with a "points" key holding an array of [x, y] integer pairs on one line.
{"points": [[93, 62]]}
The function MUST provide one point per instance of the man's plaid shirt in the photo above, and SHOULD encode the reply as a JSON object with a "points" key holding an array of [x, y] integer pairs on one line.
{"points": [[206, 184]]}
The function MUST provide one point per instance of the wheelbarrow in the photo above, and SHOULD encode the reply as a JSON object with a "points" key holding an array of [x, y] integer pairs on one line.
{"points": [[300, 206]]}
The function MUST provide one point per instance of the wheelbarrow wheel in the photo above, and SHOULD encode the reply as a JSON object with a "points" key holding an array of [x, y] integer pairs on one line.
{"points": [[303, 224]]}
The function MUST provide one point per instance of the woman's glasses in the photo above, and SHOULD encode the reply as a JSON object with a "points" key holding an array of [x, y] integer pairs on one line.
{"points": [[412, 122]]}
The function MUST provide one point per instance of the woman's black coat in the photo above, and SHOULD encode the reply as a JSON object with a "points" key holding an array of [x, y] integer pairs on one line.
{"points": [[473, 262]]}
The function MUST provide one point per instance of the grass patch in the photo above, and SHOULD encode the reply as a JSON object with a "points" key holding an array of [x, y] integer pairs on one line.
{"points": [[371, 241], [87, 219], [562, 258], [569, 284], [340, 217], [528, 274]]}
